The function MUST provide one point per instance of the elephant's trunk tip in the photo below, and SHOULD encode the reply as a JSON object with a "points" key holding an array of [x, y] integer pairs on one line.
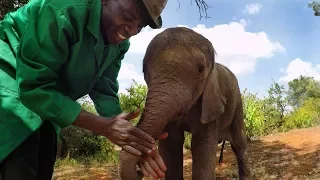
{"points": [[127, 167]]}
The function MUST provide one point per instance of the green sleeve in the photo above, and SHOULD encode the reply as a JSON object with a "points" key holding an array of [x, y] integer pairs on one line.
{"points": [[105, 92], [43, 49]]}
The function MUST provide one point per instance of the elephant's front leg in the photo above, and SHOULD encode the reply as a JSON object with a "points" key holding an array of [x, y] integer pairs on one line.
{"points": [[204, 148], [171, 150]]}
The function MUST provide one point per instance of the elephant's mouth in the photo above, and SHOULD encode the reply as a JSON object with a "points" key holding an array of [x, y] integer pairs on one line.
{"points": [[139, 172]]}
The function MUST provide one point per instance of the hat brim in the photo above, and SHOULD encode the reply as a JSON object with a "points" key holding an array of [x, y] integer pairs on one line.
{"points": [[156, 24]]}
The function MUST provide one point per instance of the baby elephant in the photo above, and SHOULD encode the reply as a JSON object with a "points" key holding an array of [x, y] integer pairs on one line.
{"points": [[189, 91]]}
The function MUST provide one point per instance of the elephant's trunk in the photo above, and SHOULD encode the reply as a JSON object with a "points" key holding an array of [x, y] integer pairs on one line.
{"points": [[127, 166], [160, 109]]}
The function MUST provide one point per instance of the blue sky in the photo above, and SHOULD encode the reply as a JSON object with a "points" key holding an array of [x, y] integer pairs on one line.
{"points": [[259, 41]]}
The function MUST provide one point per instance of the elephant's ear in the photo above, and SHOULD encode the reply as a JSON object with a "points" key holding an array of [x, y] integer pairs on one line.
{"points": [[213, 101]]}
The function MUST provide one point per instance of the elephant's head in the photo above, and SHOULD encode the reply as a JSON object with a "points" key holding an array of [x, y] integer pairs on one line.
{"points": [[179, 69]]}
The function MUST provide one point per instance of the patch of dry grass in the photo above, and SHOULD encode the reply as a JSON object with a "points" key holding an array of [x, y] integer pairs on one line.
{"points": [[293, 155]]}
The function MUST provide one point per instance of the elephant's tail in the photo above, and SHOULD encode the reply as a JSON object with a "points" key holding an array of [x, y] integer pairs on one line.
{"points": [[221, 152], [127, 167]]}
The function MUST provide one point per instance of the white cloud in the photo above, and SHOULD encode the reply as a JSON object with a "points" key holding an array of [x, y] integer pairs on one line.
{"points": [[126, 74], [232, 39], [128, 71], [140, 41], [244, 22], [239, 64], [299, 67], [252, 9]]}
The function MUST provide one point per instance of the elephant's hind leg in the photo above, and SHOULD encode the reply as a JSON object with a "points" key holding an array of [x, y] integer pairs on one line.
{"points": [[171, 150], [239, 147], [240, 152]]}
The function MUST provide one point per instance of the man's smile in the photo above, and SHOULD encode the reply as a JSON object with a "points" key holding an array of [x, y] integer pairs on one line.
{"points": [[120, 36]]}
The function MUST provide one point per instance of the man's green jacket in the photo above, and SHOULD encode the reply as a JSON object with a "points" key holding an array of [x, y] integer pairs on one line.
{"points": [[52, 53]]}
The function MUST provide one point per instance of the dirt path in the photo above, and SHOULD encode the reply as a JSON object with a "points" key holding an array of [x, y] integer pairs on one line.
{"points": [[294, 155]]}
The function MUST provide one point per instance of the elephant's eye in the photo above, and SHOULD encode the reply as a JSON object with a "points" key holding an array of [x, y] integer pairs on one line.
{"points": [[200, 68]]}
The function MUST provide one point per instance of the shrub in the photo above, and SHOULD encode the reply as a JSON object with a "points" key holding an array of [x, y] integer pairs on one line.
{"points": [[83, 145], [187, 140], [253, 114], [305, 116]]}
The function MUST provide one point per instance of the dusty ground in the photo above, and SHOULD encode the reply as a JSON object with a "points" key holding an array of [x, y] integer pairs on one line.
{"points": [[294, 155]]}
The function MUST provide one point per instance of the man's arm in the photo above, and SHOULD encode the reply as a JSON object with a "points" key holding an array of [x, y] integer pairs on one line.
{"points": [[105, 92], [43, 49]]}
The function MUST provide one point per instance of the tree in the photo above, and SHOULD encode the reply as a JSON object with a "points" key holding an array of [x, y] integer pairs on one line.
{"points": [[275, 105], [134, 98], [302, 88], [315, 5], [203, 7], [10, 5]]}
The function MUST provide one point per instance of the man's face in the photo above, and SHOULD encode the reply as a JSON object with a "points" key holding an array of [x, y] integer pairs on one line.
{"points": [[122, 19]]}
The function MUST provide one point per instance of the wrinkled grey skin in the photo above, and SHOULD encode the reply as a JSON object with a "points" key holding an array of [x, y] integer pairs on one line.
{"points": [[188, 91]]}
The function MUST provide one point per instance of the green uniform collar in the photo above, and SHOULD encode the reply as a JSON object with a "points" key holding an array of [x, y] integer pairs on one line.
{"points": [[95, 19]]}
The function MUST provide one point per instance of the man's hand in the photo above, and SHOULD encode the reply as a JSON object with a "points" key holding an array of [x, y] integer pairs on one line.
{"points": [[132, 139], [120, 131], [153, 163]]}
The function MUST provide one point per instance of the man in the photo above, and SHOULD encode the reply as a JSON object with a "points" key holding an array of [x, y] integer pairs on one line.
{"points": [[53, 52]]}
